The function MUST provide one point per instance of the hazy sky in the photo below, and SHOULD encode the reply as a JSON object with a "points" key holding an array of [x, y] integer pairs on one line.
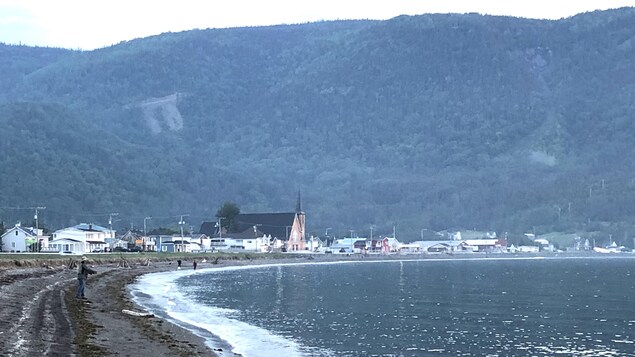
{"points": [[89, 24]]}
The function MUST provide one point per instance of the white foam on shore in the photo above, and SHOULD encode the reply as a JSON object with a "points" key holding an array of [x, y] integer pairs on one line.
{"points": [[159, 294]]}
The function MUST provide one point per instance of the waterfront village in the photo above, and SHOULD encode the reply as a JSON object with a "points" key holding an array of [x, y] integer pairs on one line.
{"points": [[268, 232]]}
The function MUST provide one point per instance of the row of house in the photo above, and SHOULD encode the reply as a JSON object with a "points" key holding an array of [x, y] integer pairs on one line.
{"points": [[80, 238], [257, 232], [390, 245], [263, 236]]}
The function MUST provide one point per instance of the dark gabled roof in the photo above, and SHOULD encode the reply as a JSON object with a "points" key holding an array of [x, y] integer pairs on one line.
{"points": [[208, 228], [246, 234], [275, 224]]}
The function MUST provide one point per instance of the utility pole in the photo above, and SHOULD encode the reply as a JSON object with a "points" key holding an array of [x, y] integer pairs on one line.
{"points": [[182, 223], [145, 233], [110, 223], [37, 229], [352, 244], [220, 227]]}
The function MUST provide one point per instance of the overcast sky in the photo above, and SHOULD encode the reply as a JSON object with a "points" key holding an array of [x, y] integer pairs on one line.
{"points": [[85, 24]]}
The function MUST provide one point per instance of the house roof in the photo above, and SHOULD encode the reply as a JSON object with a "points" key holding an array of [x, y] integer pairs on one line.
{"points": [[432, 243], [90, 227], [480, 242], [349, 241], [275, 224], [208, 228], [177, 241], [64, 240], [246, 234], [28, 231]]}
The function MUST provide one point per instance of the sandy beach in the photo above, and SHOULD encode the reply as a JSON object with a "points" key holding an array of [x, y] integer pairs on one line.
{"points": [[43, 318]]}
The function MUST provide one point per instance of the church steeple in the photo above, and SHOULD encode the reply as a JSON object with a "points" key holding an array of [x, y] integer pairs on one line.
{"points": [[298, 205]]}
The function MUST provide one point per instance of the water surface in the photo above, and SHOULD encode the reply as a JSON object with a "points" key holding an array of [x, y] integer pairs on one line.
{"points": [[472, 307]]}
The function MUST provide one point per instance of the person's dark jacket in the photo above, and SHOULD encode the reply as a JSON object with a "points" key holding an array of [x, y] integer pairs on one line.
{"points": [[83, 270]]}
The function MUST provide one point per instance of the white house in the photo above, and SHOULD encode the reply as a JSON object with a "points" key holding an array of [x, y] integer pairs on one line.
{"points": [[314, 244], [255, 244], [528, 249], [545, 245], [409, 248], [348, 245], [179, 245], [23, 239], [485, 245], [440, 246], [82, 238]]}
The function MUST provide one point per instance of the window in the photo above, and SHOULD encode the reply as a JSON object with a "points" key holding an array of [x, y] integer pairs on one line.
{"points": [[12, 244], [16, 233], [164, 248]]}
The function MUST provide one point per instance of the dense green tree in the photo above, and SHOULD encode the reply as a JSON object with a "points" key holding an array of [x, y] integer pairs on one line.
{"points": [[444, 121], [226, 214]]}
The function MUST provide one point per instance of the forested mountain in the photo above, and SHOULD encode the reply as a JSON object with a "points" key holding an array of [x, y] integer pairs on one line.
{"points": [[431, 121]]}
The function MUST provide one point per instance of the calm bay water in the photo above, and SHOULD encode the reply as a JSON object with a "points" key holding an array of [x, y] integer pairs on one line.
{"points": [[472, 307]]}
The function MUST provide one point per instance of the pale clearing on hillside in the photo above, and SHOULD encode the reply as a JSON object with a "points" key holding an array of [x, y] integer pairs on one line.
{"points": [[162, 113]]}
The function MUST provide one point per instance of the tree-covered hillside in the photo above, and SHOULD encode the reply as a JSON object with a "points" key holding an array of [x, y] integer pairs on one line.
{"points": [[431, 121]]}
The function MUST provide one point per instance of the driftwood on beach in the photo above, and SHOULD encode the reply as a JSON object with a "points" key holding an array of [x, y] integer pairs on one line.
{"points": [[137, 313]]}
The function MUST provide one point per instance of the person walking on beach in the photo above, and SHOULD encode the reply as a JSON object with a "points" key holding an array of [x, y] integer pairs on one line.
{"points": [[82, 274], [194, 265], [178, 264]]}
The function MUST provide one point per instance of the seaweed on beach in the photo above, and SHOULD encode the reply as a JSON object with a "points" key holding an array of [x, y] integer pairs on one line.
{"points": [[83, 328]]}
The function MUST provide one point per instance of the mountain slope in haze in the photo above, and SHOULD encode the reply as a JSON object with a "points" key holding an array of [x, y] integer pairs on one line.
{"points": [[431, 121]]}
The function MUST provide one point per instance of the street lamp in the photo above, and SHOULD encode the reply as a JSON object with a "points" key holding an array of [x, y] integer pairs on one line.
{"points": [[182, 223]]}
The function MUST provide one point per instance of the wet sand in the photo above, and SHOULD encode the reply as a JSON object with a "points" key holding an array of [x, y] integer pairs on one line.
{"points": [[42, 317]]}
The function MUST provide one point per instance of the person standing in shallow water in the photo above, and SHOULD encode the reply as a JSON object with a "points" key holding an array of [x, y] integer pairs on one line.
{"points": [[82, 274]]}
